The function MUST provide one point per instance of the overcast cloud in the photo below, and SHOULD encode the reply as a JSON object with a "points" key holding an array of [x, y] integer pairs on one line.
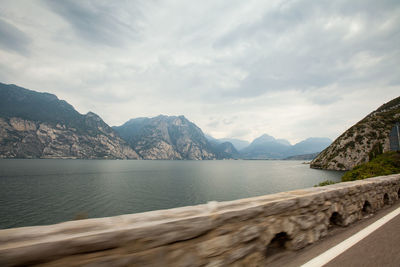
{"points": [[292, 69]]}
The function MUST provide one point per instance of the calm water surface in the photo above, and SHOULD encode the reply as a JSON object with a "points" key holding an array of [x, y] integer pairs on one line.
{"points": [[37, 192]]}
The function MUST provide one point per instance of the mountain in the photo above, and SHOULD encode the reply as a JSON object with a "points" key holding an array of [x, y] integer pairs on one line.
{"points": [[266, 147], [309, 146], [363, 141], [166, 137], [225, 150], [237, 143], [39, 125], [212, 139]]}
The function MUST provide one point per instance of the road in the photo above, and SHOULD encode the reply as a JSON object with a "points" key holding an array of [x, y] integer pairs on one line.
{"points": [[379, 248]]}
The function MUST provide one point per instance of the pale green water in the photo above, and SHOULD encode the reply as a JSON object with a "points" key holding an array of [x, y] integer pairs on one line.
{"points": [[37, 192]]}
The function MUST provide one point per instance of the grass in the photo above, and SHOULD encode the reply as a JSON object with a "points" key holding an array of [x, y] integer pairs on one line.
{"points": [[383, 164]]}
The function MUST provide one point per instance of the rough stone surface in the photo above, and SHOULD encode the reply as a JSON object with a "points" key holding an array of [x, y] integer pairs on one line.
{"points": [[235, 233], [20, 138], [166, 137]]}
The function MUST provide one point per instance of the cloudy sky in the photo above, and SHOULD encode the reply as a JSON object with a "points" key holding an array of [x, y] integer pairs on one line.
{"points": [[292, 69]]}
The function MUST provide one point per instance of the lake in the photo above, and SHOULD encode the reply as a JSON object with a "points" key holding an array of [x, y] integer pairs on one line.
{"points": [[46, 191]]}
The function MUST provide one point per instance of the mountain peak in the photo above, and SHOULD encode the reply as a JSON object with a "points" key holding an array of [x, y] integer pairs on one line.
{"points": [[92, 114], [166, 137], [264, 138]]}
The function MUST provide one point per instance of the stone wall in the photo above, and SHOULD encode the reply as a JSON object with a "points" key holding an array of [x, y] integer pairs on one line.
{"points": [[243, 232]]}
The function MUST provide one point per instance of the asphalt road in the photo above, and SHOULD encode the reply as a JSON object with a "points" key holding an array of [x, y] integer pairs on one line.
{"points": [[380, 248]]}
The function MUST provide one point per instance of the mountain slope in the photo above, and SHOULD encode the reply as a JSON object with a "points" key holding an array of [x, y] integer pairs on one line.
{"points": [[166, 137], [39, 125], [237, 143], [265, 147], [229, 146], [309, 146], [361, 142], [225, 150]]}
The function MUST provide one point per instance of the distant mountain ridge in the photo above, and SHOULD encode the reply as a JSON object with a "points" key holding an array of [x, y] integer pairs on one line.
{"points": [[361, 142], [267, 147], [309, 146], [39, 125]]}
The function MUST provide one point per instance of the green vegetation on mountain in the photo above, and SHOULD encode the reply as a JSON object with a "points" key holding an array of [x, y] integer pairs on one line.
{"points": [[383, 164], [326, 182]]}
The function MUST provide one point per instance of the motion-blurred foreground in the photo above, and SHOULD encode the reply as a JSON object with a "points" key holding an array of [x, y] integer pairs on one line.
{"points": [[243, 232]]}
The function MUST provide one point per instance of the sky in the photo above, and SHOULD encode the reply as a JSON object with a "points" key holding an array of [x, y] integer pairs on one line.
{"points": [[237, 69]]}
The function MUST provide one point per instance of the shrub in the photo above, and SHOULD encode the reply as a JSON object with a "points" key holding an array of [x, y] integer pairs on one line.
{"points": [[326, 182], [340, 165], [383, 164], [376, 150]]}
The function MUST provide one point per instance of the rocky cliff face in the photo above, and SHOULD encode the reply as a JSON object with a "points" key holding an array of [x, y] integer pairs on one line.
{"points": [[166, 137], [362, 141], [39, 125], [21, 138]]}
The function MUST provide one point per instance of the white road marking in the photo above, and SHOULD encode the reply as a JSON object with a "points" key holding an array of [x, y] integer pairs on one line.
{"points": [[332, 253]]}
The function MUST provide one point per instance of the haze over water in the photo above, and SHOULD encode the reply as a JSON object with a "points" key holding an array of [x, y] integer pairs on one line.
{"points": [[39, 192]]}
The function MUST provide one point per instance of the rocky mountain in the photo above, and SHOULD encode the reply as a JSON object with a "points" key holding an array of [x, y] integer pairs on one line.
{"points": [[363, 141], [39, 125], [166, 137]]}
